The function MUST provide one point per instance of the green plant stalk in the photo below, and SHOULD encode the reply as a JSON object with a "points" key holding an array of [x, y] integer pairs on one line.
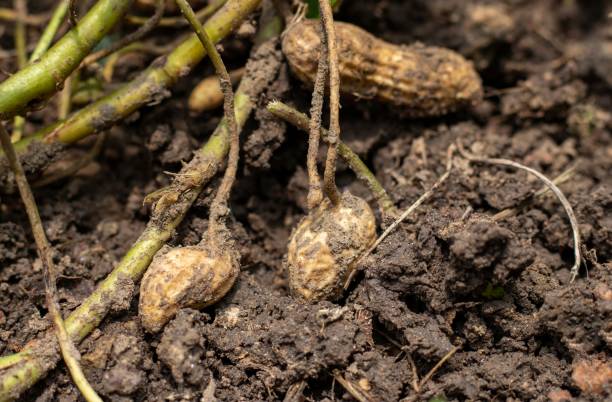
{"points": [[20, 371], [153, 84], [27, 367], [41, 47], [301, 121], [20, 48], [36, 82]]}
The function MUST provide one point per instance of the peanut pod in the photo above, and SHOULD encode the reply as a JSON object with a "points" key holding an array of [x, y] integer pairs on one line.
{"points": [[422, 80]]}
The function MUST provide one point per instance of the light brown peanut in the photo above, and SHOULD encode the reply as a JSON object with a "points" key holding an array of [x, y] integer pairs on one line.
{"points": [[422, 80], [193, 276], [324, 245]]}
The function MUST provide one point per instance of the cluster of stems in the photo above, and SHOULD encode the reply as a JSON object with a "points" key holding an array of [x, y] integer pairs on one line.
{"points": [[19, 371]]}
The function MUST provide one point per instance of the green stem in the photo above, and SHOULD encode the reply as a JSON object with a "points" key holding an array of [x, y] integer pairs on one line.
{"points": [[301, 121], [41, 47], [22, 370], [151, 85], [36, 82], [20, 48]]}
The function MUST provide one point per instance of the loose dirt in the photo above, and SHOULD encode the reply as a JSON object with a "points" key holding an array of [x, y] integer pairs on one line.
{"points": [[448, 276]]}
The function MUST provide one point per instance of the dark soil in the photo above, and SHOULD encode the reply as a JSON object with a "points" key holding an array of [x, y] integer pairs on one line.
{"points": [[451, 275]]}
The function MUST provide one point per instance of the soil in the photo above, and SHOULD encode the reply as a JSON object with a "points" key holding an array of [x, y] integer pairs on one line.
{"points": [[451, 276]]}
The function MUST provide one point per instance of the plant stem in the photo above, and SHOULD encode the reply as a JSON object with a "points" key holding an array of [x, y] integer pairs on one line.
{"points": [[36, 82], [151, 23], [20, 33], [41, 47], [152, 84], [35, 360], [20, 47], [219, 203], [69, 352], [301, 121], [8, 14]]}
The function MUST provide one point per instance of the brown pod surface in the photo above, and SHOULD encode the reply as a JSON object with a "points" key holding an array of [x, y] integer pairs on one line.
{"points": [[207, 95], [324, 245], [422, 80], [193, 276]]}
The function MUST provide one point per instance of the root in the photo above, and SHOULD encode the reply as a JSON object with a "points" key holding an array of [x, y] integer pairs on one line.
{"points": [[329, 176], [562, 178], [315, 194], [566, 205], [354, 390], [179, 22], [417, 385], [68, 350], [219, 204]]}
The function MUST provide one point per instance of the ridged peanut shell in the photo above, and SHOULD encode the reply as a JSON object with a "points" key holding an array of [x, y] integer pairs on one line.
{"points": [[182, 277], [421, 80], [324, 245]]}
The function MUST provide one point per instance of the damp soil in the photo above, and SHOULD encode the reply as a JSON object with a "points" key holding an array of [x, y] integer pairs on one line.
{"points": [[453, 276]]}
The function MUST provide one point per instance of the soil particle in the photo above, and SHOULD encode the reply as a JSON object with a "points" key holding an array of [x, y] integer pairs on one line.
{"points": [[593, 377], [511, 375], [266, 76], [12, 242], [272, 335], [181, 347], [115, 361], [542, 95], [265, 140], [481, 245], [421, 333], [379, 375], [580, 315], [179, 149]]}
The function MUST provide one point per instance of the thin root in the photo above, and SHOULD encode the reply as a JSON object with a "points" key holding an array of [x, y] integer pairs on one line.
{"points": [[45, 252], [562, 178], [566, 205], [219, 204], [315, 194], [329, 31]]}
